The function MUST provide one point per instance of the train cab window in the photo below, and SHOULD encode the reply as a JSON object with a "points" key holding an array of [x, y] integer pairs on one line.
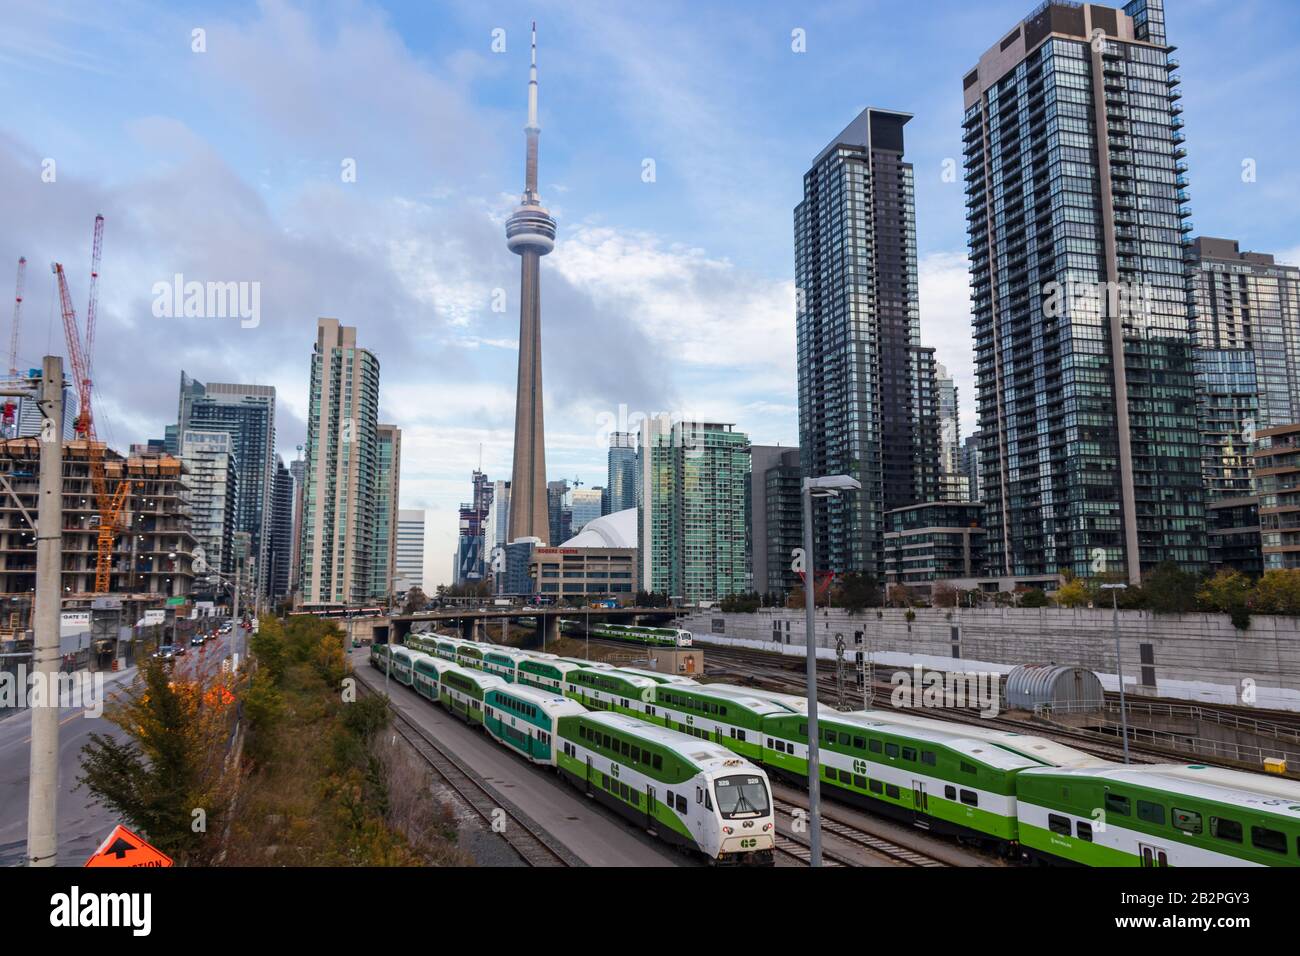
{"points": [[1117, 804], [699, 795], [670, 798], [928, 758], [950, 793], [909, 753], [875, 786], [1189, 821], [891, 750], [1266, 839], [1058, 824], [891, 791], [1085, 831], [1151, 812], [970, 798], [873, 745], [681, 803]]}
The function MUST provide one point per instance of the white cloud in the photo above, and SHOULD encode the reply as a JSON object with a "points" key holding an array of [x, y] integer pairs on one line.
{"points": [[946, 324]]}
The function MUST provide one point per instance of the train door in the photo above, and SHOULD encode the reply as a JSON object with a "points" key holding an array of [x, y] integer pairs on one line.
{"points": [[1152, 856], [920, 799], [650, 807], [589, 776]]}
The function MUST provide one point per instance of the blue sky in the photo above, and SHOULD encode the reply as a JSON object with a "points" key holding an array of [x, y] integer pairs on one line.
{"points": [[669, 295]]}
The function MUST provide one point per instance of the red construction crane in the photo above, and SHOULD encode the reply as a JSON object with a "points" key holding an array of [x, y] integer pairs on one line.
{"points": [[110, 506], [10, 408], [18, 316]]}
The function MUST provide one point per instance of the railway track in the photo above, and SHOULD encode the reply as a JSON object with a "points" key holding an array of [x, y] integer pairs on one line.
{"points": [[864, 839], [803, 854], [532, 844]]}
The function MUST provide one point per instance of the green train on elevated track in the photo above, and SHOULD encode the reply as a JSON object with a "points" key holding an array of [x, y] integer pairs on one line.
{"points": [[632, 633]]}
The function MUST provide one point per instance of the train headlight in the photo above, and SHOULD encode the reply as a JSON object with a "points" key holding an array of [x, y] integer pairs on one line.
{"points": [[766, 827], [727, 830]]}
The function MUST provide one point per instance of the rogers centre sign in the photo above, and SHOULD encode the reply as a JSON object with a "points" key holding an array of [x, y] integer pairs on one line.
{"points": [[556, 550]]}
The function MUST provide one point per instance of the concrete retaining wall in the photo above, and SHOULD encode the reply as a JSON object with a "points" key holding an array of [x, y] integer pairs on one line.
{"points": [[1198, 657]]}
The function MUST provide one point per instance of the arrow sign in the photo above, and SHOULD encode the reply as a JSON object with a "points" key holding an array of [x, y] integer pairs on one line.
{"points": [[124, 848]]}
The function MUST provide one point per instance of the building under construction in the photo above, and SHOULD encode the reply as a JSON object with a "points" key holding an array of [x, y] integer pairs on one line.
{"points": [[151, 554]]}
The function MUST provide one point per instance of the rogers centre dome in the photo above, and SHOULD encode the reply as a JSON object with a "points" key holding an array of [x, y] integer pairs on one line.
{"points": [[617, 530]]}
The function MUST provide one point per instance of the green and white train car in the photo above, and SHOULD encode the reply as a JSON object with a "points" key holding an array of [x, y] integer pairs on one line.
{"points": [[657, 677], [427, 677], [403, 663], [524, 719], [428, 643], [379, 657], [1159, 815], [462, 691], [502, 661], [934, 779], [609, 689], [545, 671], [642, 634], [692, 793], [732, 718]]}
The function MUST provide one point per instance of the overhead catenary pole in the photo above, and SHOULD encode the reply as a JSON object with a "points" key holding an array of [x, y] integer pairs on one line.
{"points": [[810, 660], [43, 780]]}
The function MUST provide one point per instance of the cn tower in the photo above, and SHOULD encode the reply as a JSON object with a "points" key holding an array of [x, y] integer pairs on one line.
{"points": [[530, 234]]}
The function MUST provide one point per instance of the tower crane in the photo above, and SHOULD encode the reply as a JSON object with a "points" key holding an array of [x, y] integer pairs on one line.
{"points": [[110, 506], [10, 410]]}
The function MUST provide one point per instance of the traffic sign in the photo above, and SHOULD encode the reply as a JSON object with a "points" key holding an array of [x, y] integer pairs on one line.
{"points": [[124, 848]]}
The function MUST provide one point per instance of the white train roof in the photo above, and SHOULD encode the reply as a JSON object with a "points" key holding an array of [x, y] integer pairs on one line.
{"points": [[536, 695], [979, 749], [705, 754], [1040, 749], [1255, 791]]}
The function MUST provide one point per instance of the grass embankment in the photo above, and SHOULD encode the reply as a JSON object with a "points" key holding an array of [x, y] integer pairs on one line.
{"points": [[326, 786]]}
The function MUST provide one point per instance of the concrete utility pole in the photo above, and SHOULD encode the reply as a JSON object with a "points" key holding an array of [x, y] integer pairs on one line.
{"points": [[43, 780]]}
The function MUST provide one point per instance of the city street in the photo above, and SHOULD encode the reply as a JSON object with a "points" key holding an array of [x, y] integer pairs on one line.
{"points": [[82, 825]]}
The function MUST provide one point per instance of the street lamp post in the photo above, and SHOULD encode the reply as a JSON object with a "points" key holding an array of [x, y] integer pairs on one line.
{"points": [[815, 488], [1114, 590]]}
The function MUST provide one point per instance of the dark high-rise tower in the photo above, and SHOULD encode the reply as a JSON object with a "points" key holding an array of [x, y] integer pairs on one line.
{"points": [[867, 389], [1077, 214], [530, 234]]}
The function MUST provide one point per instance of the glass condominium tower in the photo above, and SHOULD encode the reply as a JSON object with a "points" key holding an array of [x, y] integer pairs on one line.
{"points": [[868, 403], [1077, 223]]}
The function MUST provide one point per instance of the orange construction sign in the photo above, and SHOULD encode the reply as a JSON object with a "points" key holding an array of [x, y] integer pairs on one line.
{"points": [[124, 848]]}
